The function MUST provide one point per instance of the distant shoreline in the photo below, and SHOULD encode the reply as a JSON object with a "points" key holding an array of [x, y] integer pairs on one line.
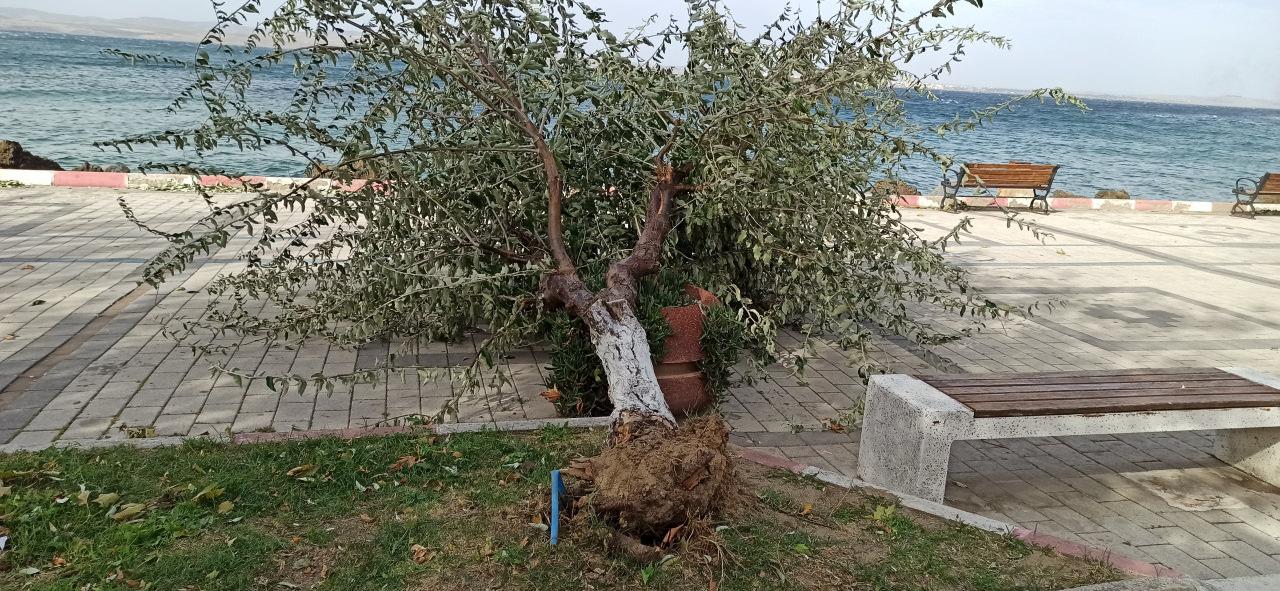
{"points": [[15, 19], [1225, 102]]}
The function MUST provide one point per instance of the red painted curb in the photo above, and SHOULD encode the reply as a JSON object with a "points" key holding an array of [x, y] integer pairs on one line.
{"points": [[1059, 545], [770, 460], [1069, 548], [109, 180]]}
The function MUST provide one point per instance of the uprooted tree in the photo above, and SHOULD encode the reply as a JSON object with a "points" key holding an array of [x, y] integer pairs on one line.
{"points": [[527, 158]]}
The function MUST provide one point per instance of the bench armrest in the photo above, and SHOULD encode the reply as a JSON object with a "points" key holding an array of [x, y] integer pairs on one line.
{"points": [[1245, 186], [953, 176]]}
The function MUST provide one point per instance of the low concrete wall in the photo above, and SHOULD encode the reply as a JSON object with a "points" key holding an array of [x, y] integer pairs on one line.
{"points": [[1072, 203], [119, 180]]}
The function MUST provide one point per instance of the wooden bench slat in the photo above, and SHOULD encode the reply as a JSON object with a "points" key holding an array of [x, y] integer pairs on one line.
{"points": [[1135, 404], [950, 382], [1270, 184], [1097, 389], [1207, 395], [1075, 373], [1084, 381]]}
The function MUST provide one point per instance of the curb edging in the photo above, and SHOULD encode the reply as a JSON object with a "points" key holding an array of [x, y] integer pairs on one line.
{"points": [[1085, 203], [1059, 545], [142, 181], [283, 436]]}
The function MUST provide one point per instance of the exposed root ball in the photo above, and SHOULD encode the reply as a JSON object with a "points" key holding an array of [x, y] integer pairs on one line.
{"points": [[659, 479]]}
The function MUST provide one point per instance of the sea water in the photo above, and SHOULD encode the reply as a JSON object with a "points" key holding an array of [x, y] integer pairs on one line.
{"points": [[60, 93]]}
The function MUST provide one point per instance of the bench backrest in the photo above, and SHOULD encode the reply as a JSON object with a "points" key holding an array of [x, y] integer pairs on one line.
{"points": [[1011, 175], [1270, 184]]}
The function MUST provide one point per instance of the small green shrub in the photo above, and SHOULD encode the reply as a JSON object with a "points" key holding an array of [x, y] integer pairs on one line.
{"points": [[10, 184], [576, 375], [722, 339], [1112, 194]]}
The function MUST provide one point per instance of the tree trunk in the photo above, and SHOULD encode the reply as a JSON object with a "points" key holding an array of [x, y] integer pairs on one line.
{"points": [[654, 477], [623, 349]]}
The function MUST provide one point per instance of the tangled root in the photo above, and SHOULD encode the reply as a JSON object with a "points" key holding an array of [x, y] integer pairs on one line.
{"points": [[655, 479]]}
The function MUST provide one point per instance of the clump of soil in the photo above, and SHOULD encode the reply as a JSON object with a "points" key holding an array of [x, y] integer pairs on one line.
{"points": [[659, 480]]}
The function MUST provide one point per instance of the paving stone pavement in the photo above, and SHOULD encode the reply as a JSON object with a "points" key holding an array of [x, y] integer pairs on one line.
{"points": [[83, 353]]}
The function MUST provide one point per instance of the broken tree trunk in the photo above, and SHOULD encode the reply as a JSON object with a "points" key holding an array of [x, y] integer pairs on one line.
{"points": [[654, 477]]}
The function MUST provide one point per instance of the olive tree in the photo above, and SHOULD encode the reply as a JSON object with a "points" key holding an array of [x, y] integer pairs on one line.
{"points": [[526, 157]]}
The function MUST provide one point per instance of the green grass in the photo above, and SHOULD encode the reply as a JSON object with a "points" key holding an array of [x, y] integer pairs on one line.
{"points": [[468, 513]]}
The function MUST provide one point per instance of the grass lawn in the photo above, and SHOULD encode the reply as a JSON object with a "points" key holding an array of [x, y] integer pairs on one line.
{"points": [[461, 512]]}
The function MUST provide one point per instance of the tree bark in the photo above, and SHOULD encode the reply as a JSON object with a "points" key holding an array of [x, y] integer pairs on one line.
{"points": [[623, 348]]}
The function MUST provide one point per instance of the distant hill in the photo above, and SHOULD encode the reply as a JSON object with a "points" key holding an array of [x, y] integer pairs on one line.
{"points": [[13, 18]]}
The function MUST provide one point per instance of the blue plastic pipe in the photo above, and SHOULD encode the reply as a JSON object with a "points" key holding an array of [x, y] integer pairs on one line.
{"points": [[557, 491]]}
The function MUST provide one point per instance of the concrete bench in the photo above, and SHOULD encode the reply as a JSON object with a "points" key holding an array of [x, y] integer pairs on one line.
{"points": [[910, 422]]}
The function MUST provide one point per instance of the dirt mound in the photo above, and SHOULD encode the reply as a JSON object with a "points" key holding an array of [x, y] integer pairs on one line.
{"points": [[660, 480]]}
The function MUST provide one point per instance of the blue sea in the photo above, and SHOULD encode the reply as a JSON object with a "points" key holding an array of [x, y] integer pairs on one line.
{"points": [[59, 94]]}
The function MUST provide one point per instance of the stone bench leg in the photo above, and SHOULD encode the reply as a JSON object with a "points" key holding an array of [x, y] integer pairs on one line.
{"points": [[907, 430], [1254, 451]]}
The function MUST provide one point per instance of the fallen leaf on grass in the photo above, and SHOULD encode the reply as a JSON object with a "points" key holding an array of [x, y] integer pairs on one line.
{"points": [[225, 507], [420, 553], [107, 499], [302, 471], [58, 561], [30, 570], [83, 496], [404, 463], [5, 490], [551, 394], [128, 511], [210, 492], [365, 518]]}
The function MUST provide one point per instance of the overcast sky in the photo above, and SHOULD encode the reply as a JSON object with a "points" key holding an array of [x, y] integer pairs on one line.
{"points": [[1126, 47]]}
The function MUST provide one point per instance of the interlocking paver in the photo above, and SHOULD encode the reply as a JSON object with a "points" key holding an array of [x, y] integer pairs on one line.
{"points": [[1250, 556], [1137, 297]]}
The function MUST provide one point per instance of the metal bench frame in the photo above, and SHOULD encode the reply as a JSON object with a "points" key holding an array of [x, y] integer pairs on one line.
{"points": [[1245, 196], [953, 179]]}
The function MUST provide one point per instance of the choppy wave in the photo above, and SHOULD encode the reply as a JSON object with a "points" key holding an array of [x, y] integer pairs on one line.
{"points": [[59, 94]]}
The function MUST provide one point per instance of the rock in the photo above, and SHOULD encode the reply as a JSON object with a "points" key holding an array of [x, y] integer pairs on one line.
{"points": [[1112, 194], [13, 156], [89, 167], [893, 188], [1060, 194]]}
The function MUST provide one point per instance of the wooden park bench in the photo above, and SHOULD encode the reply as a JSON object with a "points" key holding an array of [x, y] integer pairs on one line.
{"points": [[910, 422], [1012, 175], [1248, 190]]}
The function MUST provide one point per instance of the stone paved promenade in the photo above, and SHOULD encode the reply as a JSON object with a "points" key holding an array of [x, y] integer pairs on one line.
{"points": [[82, 354]]}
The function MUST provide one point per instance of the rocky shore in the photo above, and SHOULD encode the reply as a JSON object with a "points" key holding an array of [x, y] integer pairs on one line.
{"points": [[13, 156]]}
